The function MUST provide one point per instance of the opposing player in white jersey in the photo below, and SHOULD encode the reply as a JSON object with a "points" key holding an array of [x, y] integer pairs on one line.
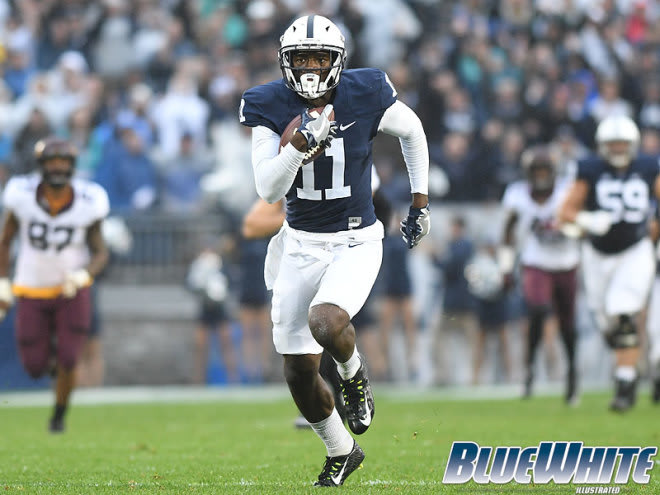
{"points": [[610, 201], [548, 258], [58, 221]]}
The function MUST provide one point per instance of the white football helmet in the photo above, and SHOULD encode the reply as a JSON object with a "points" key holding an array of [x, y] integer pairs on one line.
{"points": [[617, 128], [312, 33]]}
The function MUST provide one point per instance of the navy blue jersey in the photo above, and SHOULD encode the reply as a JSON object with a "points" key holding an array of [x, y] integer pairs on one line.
{"points": [[626, 194], [333, 192]]}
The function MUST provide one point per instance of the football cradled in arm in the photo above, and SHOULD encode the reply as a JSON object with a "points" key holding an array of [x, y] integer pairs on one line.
{"points": [[311, 132]]}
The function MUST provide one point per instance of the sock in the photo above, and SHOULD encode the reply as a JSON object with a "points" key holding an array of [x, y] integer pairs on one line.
{"points": [[59, 411], [334, 434], [625, 373], [349, 368]]}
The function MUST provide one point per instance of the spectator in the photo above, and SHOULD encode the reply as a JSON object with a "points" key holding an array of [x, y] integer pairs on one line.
{"points": [[458, 325], [127, 173], [180, 177], [486, 283], [37, 128], [180, 111], [206, 278]]}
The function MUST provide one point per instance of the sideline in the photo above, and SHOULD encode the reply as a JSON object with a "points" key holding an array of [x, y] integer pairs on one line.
{"points": [[265, 393]]}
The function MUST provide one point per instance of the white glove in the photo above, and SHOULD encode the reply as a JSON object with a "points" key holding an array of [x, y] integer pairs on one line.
{"points": [[316, 130], [6, 295], [595, 222], [571, 230], [74, 281], [506, 258], [416, 225]]}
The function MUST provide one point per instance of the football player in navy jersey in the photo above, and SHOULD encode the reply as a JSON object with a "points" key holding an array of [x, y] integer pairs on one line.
{"points": [[610, 201], [323, 263]]}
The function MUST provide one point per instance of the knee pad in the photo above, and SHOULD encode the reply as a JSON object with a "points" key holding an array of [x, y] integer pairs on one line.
{"points": [[624, 334]]}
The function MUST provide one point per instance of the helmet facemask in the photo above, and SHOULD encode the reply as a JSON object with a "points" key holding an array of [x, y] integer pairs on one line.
{"points": [[542, 178], [311, 83], [312, 34], [54, 150], [57, 178], [616, 153], [539, 166]]}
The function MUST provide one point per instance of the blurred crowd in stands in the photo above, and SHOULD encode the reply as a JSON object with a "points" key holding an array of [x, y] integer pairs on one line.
{"points": [[149, 90]]}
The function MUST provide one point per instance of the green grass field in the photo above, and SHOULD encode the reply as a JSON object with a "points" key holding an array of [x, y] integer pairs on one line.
{"points": [[252, 447]]}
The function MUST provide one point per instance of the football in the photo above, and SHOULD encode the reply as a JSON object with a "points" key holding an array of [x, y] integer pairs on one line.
{"points": [[291, 128]]}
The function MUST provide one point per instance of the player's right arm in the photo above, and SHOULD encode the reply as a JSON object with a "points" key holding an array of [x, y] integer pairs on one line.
{"points": [[263, 219], [9, 229], [574, 201], [274, 169], [274, 172], [572, 216]]}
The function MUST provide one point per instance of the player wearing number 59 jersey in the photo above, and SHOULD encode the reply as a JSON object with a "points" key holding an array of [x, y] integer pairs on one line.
{"points": [[58, 222], [611, 202], [323, 263]]}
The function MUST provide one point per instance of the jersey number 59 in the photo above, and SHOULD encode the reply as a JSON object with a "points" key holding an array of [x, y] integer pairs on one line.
{"points": [[627, 201]]}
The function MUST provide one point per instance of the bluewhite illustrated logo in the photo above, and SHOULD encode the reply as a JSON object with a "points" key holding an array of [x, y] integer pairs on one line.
{"points": [[558, 462]]}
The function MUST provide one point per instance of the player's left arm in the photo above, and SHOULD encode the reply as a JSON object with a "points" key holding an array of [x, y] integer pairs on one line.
{"points": [[401, 121], [656, 187], [83, 277], [97, 248]]}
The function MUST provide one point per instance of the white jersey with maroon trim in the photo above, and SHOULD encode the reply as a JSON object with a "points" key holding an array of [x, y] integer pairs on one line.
{"points": [[543, 245], [51, 246]]}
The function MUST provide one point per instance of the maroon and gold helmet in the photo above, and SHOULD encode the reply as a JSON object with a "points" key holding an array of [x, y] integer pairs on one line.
{"points": [[54, 147], [539, 165]]}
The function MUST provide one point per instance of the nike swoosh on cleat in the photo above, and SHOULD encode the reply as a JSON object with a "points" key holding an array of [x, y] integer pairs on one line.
{"points": [[367, 421], [343, 127], [337, 479]]}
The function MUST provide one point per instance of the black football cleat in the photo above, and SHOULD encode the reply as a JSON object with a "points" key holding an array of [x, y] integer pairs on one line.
{"points": [[336, 469], [56, 425], [358, 401], [625, 395]]}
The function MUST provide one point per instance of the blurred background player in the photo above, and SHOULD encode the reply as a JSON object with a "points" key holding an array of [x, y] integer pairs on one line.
{"points": [[490, 287], [456, 331], [207, 279], [58, 220], [331, 232], [610, 201], [90, 370], [254, 305], [396, 302], [548, 258]]}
